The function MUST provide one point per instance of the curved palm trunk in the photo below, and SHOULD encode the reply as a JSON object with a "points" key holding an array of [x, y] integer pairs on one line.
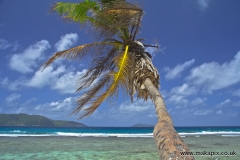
{"points": [[168, 141]]}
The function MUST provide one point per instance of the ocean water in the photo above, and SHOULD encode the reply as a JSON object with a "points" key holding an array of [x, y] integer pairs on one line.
{"points": [[114, 143]]}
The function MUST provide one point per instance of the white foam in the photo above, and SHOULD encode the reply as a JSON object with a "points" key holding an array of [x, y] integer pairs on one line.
{"points": [[18, 131], [210, 133], [8, 135], [230, 135], [150, 135], [26, 135], [103, 134], [67, 134]]}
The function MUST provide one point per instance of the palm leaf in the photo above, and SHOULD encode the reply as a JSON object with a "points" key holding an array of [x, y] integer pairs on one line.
{"points": [[77, 12], [113, 81], [98, 66], [80, 51], [118, 61], [110, 1], [104, 21], [116, 18], [91, 93]]}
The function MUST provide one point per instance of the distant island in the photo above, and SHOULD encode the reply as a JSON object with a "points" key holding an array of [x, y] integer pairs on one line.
{"points": [[142, 125], [34, 120], [27, 120]]}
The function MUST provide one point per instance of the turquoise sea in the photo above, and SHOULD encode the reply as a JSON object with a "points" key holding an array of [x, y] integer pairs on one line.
{"points": [[114, 143]]}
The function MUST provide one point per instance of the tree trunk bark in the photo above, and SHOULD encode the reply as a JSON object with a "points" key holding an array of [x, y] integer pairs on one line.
{"points": [[168, 141]]}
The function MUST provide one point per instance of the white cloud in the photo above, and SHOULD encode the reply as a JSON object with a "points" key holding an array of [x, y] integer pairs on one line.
{"points": [[219, 112], [203, 4], [58, 78], [237, 104], [67, 83], [198, 101], [232, 114], [153, 115], [12, 97], [54, 103], [136, 106], [13, 85], [55, 110], [66, 41], [59, 106], [29, 101], [25, 61], [4, 44], [236, 93], [184, 90], [176, 71], [46, 77], [178, 96], [224, 103], [164, 93], [214, 76], [182, 102], [135, 111], [202, 112], [178, 100], [61, 79]]}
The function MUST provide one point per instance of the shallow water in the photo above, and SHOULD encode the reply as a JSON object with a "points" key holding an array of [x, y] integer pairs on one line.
{"points": [[106, 148]]}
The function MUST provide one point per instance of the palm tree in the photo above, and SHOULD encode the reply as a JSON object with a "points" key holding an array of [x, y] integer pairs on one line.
{"points": [[118, 61]]}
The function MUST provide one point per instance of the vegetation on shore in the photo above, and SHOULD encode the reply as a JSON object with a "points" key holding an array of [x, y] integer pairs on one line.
{"points": [[34, 120]]}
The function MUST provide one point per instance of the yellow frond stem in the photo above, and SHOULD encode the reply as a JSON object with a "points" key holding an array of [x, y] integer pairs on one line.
{"points": [[118, 73], [123, 61]]}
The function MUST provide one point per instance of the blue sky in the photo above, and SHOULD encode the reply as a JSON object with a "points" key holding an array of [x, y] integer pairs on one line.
{"points": [[199, 69]]}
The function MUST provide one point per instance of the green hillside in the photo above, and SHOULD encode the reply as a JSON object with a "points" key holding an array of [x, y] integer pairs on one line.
{"points": [[34, 120]]}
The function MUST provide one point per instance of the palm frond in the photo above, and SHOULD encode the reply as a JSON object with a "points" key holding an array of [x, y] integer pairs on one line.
{"points": [[77, 12], [91, 93], [116, 79], [116, 18], [104, 20], [79, 52], [118, 62], [109, 1], [98, 66], [94, 105]]}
